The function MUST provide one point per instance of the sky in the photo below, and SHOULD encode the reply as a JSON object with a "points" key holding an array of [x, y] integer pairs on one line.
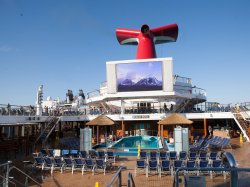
{"points": [[65, 44]]}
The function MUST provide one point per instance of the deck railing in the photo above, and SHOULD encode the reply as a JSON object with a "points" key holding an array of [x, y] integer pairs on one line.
{"points": [[116, 180], [131, 182], [233, 177]]}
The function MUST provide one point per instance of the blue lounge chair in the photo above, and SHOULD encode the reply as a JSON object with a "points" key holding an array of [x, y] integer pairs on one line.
{"points": [[101, 155], [51, 152], [172, 155], [153, 155], [39, 162], [79, 164], [100, 164], [163, 155], [152, 166], [202, 164], [213, 156], [111, 156], [190, 164], [192, 155], [58, 163], [183, 155], [74, 153], [84, 154], [69, 164], [141, 165], [203, 155], [217, 164], [165, 167], [65, 153], [177, 164], [143, 155], [89, 165], [48, 163]]}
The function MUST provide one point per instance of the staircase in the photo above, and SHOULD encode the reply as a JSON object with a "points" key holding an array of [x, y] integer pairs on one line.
{"points": [[242, 123], [52, 122], [182, 106]]}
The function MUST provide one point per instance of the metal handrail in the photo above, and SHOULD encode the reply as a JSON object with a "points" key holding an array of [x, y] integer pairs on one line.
{"points": [[118, 175], [14, 167], [209, 169], [130, 178], [4, 178]]}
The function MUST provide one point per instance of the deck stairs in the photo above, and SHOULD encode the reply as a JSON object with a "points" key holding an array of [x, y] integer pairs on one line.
{"points": [[182, 106], [51, 124], [242, 123]]}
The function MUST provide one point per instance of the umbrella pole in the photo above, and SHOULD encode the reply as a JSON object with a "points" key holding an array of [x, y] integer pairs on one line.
{"points": [[97, 135]]}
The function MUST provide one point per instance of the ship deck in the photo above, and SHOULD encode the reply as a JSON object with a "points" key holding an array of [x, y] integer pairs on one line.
{"points": [[240, 151]]}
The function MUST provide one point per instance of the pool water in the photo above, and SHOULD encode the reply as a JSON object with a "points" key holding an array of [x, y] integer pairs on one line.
{"points": [[132, 142]]}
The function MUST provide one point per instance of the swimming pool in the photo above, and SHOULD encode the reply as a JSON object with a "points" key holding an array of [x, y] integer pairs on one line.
{"points": [[145, 142]]}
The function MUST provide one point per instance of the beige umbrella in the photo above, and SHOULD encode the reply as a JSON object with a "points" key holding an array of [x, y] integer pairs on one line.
{"points": [[175, 119], [100, 121]]}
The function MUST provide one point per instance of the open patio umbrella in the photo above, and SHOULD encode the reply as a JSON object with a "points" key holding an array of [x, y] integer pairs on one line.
{"points": [[101, 121], [175, 119]]}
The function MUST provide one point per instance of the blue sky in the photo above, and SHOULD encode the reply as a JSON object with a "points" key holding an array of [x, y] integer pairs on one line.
{"points": [[65, 44]]}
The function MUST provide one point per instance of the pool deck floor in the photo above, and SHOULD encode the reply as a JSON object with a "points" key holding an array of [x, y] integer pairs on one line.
{"points": [[66, 179]]}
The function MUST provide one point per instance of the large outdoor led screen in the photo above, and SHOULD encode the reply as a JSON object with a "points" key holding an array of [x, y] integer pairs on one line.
{"points": [[142, 76]]}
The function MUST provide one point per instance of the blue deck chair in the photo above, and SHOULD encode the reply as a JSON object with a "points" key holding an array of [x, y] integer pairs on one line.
{"points": [[192, 155], [93, 154], [65, 153], [58, 163], [143, 155], [48, 164], [177, 164], [152, 166], [141, 166], [89, 165], [183, 155], [100, 164], [44, 152], [39, 162], [79, 164], [69, 164], [190, 164], [203, 155], [111, 156], [84, 154], [172, 155], [213, 156], [165, 167], [163, 155], [101, 155], [217, 164], [51, 152], [74, 153], [203, 164], [153, 155]]}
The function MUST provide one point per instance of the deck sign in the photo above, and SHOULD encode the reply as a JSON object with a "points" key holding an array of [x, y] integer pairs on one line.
{"points": [[141, 117]]}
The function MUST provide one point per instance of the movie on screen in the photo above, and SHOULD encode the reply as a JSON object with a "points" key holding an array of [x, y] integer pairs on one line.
{"points": [[141, 76]]}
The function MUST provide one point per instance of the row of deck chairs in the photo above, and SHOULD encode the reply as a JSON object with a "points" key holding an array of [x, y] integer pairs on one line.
{"points": [[65, 153], [169, 167], [183, 155], [211, 141], [73, 164]]}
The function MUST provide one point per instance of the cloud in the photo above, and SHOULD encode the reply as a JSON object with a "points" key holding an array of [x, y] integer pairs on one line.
{"points": [[5, 49]]}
